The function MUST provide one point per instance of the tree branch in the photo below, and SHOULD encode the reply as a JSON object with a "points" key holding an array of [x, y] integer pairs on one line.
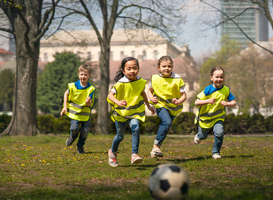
{"points": [[231, 19]]}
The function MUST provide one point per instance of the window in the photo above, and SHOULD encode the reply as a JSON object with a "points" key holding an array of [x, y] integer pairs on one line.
{"points": [[133, 54], [144, 55], [89, 55], [155, 55], [121, 55], [111, 55], [45, 57]]}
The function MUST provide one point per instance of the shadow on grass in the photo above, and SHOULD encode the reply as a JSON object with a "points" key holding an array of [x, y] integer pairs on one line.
{"points": [[182, 160]]}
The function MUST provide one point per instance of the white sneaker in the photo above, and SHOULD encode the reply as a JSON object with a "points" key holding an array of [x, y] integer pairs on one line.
{"points": [[216, 156], [196, 140], [156, 153], [135, 159], [112, 158]]}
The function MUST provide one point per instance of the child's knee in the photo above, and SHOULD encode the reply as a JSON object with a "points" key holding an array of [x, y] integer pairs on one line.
{"points": [[74, 129], [85, 132]]}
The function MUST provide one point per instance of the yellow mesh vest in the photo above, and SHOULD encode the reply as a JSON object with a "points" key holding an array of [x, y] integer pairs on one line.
{"points": [[130, 92], [165, 89], [76, 106], [207, 115]]}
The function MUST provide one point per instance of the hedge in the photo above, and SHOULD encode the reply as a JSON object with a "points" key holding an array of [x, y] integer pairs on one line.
{"points": [[182, 125]]}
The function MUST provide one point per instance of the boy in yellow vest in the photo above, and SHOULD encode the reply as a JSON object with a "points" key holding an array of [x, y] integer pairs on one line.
{"points": [[167, 93], [211, 113], [78, 100]]}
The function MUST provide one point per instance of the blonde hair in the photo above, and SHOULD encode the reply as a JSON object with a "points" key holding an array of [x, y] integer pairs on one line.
{"points": [[85, 67]]}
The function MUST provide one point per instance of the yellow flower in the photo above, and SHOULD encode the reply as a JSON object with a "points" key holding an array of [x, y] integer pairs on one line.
{"points": [[23, 165]]}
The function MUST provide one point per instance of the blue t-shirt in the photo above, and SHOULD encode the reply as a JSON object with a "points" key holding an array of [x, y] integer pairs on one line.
{"points": [[210, 89], [79, 87]]}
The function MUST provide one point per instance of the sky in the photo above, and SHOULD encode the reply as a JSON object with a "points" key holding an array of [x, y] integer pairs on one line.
{"points": [[202, 40]]}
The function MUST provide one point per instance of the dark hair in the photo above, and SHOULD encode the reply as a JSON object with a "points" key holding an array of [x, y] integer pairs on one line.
{"points": [[119, 73], [164, 58], [216, 68]]}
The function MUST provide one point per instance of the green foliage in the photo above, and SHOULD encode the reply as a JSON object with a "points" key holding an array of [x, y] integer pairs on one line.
{"points": [[182, 125], [219, 58], [7, 78], [4, 122], [52, 82], [46, 123]]}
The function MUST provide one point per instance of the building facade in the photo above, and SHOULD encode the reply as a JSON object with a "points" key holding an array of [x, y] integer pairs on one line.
{"points": [[142, 44], [251, 21]]}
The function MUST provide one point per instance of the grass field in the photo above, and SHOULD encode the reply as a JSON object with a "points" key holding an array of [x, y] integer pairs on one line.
{"points": [[42, 167]]}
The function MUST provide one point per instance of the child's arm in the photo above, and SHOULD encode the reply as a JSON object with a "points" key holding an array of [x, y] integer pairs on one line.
{"points": [[200, 102], [230, 104], [151, 108], [88, 101], [181, 99], [64, 110], [151, 96], [112, 98]]}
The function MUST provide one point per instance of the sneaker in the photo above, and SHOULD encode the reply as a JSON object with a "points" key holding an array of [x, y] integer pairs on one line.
{"points": [[196, 140], [112, 158], [135, 159], [156, 153], [216, 156], [80, 150], [69, 141]]}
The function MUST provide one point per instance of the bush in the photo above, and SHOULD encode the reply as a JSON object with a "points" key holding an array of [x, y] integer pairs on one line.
{"points": [[46, 123], [4, 122], [62, 125], [257, 124]]}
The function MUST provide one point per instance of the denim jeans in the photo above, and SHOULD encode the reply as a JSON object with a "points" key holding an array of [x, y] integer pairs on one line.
{"points": [[218, 130], [120, 128], [164, 126], [84, 130]]}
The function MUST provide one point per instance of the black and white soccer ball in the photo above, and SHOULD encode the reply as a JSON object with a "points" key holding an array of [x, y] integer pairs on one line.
{"points": [[169, 182]]}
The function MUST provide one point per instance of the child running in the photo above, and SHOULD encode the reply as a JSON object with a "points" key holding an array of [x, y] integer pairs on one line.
{"points": [[78, 100], [167, 93], [211, 113], [127, 99]]}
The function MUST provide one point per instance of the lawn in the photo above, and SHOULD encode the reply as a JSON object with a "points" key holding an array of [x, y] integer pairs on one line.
{"points": [[42, 167]]}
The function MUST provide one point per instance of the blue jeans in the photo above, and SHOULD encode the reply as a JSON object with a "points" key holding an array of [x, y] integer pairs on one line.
{"points": [[164, 126], [120, 128], [84, 130], [218, 130]]}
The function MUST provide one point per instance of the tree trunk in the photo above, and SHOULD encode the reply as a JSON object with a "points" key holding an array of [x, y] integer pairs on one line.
{"points": [[103, 118], [24, 117]]}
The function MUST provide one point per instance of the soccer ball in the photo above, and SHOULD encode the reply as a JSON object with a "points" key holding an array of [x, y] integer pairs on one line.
{"points": [[169, 182]]}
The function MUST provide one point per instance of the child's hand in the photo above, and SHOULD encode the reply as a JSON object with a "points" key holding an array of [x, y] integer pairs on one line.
{"points": [[64, 111], [224, 103], [88, 101], [122, 103], [154, 100], [212, 100], [175, 101], [151, 108]]}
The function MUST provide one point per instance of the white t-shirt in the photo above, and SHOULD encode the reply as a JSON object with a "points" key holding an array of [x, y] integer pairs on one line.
{"points": [[173, 75], [124, 79]]}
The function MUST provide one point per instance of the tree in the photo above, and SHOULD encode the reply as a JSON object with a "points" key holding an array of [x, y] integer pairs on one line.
{"points": [[219, 58], [250, 77], [160, 15], [52, 82], [6, 94], [262, 6], [28, 23]]}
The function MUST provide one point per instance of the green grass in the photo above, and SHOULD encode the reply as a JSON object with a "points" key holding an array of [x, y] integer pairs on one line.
{"points": [[41, 167]]}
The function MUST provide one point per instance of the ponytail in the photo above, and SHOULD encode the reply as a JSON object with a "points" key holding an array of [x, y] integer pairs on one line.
{"points": [[119, 75]]}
